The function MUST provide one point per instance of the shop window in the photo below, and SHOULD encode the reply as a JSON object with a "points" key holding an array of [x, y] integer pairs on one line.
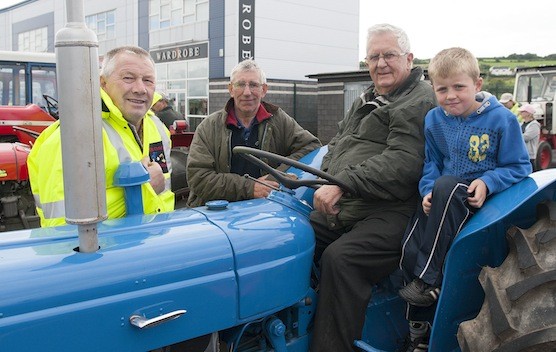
{"points": [[35, 40], [198, 106], [187, 82], [103, 24]]}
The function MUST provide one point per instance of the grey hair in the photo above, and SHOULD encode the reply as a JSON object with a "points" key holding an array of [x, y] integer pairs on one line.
{"points": [[109, 60], [248, 65], [403, 39]]}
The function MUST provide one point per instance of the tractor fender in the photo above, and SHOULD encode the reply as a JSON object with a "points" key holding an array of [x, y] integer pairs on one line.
{"points": [[482, 242]]}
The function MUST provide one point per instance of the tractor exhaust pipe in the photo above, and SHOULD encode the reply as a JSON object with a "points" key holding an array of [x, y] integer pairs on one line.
{"points": [[81, 126]]}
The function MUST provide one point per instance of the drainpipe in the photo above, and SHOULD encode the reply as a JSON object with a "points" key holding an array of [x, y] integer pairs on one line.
{"points": [[295, 100]]}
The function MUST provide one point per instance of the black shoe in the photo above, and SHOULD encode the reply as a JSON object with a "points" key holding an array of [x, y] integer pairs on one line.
{"points": [[419, 294], [420, 344]]}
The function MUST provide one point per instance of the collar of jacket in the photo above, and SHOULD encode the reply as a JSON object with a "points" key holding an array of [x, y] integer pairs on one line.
{"points": [[262, 114], [410, 82], [109, 109]]}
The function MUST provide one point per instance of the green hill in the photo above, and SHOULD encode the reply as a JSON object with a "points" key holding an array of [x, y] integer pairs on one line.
{"points": [[496, 84], [502, 84]]}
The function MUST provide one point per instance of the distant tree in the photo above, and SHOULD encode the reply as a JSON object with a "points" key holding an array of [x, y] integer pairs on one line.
{"points": [[550, 57], [498, 85], [484, 67], [521, 57], [420, 61]]}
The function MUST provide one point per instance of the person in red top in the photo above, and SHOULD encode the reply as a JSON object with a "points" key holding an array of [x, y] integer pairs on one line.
{"points": [[213, 171]]}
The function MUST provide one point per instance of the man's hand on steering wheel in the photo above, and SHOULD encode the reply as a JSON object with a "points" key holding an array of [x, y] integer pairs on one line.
{"points": [[326, 198]]}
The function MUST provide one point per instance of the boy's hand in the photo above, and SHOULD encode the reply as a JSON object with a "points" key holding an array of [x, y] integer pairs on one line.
{"points": [[427, 203], [478, 192]]}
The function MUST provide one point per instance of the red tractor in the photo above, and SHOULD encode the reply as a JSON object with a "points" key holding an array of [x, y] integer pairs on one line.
{"points": [[27, 107], [537, 86], [19, 127]]}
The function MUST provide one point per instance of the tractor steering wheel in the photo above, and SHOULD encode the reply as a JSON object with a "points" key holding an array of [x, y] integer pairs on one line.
{"points": [[51, 105], [254, 156]]}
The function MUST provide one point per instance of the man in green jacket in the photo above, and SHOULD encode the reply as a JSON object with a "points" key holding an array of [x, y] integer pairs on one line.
{"points": [[213, 171], [379, 152]]}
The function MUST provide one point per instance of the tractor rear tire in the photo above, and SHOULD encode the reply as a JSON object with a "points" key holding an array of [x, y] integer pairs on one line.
{"points": [[519, 310], [179, 178], [544, 156]]}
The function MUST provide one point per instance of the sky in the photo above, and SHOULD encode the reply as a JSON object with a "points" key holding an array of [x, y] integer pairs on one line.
{"points": [[487, 28], [7, 3]]}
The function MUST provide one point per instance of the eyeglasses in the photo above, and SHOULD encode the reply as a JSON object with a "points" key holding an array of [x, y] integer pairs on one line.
{"points": [[253, 86], [388, 57]]}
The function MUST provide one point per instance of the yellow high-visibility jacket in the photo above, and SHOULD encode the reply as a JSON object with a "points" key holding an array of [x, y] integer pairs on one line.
{"points": [[119, 145]]}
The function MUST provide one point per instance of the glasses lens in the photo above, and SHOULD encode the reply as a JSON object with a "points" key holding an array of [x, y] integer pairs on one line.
{"points": [[388, 57], [254, 86]]}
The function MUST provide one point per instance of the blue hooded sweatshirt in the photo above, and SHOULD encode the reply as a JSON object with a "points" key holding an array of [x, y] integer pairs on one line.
{"points": [[486, 144]]}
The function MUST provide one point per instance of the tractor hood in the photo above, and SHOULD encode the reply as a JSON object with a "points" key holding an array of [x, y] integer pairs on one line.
{"points": [[223, 267]]}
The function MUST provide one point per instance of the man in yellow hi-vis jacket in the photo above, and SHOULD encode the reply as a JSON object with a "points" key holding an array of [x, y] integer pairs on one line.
{"points": [[131, 132]]}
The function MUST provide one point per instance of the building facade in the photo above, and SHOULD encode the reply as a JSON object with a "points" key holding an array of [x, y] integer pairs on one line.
{"points": [[196, 43]]}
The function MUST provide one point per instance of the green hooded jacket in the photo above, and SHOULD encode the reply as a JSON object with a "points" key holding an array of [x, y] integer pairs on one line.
{"points": [[209, 160], [379, 151]]}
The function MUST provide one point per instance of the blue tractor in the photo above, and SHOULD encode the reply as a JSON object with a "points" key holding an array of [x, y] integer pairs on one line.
{"points": [[237, 277]]}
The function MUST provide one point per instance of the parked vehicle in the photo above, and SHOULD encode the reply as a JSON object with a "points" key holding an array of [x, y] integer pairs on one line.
{"points": [[537, 86], [25, 77], [27, 91]]}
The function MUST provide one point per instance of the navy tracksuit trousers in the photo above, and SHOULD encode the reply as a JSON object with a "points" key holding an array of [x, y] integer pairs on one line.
{"points": [[428, 238]]}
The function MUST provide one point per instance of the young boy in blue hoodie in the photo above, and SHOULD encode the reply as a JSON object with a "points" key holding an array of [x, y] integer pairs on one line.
{"points": [[473, 149]]}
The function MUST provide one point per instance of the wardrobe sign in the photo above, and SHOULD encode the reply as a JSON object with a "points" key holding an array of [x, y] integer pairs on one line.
{"points": [[188, 52], [246, 29]]}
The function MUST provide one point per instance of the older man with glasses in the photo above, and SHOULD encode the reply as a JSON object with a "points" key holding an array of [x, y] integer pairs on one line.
{"points": [[213, 171], [379, 152]]}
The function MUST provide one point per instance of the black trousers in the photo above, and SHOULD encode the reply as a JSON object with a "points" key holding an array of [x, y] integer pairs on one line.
{"points": [[352, 260]]}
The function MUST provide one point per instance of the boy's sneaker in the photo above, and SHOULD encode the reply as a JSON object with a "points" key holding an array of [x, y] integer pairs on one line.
{"points": [[420, 344], [419, 294]]}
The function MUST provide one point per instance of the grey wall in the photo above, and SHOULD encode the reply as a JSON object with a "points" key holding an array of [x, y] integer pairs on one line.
{"points": [[46, 20]]}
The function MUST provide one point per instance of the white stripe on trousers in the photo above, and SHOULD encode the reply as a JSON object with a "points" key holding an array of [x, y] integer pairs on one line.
{"points": [[440, 226]]}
